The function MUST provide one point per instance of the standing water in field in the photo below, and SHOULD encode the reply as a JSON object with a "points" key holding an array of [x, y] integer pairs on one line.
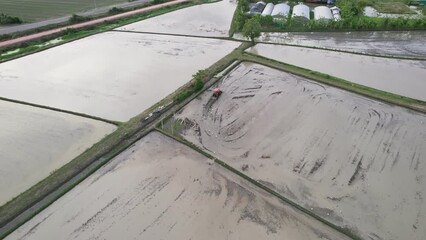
{"points": [[161, 189], [393, 43], [34, 142], [112, 75], [356, 162], [402, 77], [212, 19]]}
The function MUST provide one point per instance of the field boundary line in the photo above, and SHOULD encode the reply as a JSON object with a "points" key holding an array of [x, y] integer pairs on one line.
{"points": [[371, 93], [23, 209], [116, 123], [345, 51], [347, 232], [179, 35], [88, 23], [103, 27]]}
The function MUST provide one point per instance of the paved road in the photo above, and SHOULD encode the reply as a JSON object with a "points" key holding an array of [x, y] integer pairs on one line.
{"points": [[86, 24], [24, 27]]}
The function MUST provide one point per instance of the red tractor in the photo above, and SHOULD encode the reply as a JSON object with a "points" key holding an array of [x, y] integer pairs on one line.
{"points": [[217, 92]]}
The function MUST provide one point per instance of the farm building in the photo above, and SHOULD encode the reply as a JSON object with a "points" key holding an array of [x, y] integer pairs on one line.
{"points": [[336, 13], [257, 8], [281, 10], [268, 9], [322, 13], [329, 2], [301, 10]]}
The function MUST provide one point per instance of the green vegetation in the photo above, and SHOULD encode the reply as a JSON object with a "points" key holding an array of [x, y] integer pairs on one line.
{"points": [[251, 28], [6, 19], [78, 19], [392, 7], [116, 10], [38, 10], [352, 19], [239, 17], [386, 6], [198, 84]]}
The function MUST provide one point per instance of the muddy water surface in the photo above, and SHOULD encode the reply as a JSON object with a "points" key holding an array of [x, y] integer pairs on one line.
{"points": [[213, 19], [355, 161], [109, 75], [34, 142], [402, 77], [160, 189], [394, 43]]}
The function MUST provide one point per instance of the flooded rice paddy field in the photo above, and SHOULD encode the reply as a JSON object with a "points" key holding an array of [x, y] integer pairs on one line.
{"points": [[34, 142], [110, 75], [402, 44], [402, 77], [160, 189], [357, 162], [213, 19]]}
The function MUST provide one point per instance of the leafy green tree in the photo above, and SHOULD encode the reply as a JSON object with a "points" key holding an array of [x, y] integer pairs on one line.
{"points": [[252, 28], [78, 19], [348, 8], [266, 21], [6, 19], [240, 19]]}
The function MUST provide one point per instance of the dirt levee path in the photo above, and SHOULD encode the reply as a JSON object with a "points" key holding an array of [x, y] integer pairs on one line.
{"points": [[86, 24], [160, 189], [355, 161]]}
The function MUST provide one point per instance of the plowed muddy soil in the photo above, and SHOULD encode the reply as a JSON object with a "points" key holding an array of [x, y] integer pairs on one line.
{"points": [[160, 189], [357, 162]]}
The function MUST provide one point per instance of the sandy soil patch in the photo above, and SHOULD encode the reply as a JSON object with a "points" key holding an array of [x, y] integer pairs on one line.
{"points": [[110, 75], [355, 161], [213, 19], [160, 189], [402, 77], [34, 142], [405, 44]]}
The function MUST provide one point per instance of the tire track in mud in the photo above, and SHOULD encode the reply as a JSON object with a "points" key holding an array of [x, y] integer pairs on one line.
{"points": [[354, 146]]}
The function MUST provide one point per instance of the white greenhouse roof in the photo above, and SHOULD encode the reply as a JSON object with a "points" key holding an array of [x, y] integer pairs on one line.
{"points": [[281, 9], [268, 9], [322, 12], [301, 10]]}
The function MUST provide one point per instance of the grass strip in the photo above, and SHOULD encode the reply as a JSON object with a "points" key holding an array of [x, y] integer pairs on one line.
{"points": [[393, 8]]}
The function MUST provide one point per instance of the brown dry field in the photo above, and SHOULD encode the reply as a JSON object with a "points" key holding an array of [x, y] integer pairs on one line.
{"points": [[357, 162]]}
